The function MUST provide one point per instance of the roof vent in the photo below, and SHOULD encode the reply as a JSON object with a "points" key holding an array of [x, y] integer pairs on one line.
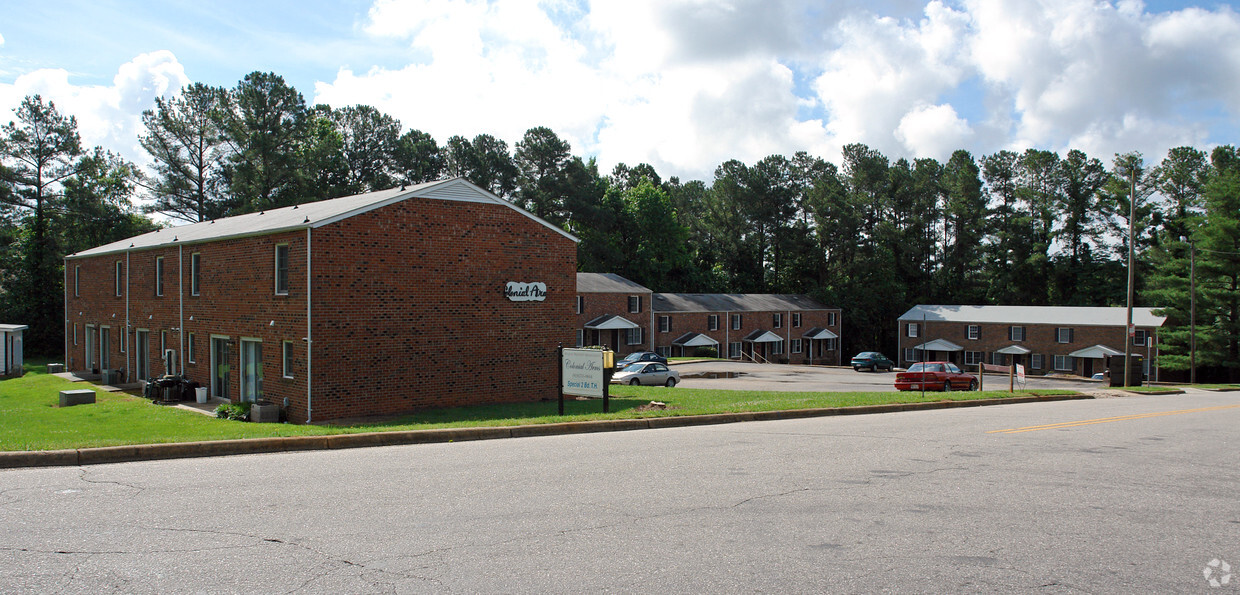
{"points": [[402, 187], [307, 220], [294, 207]]}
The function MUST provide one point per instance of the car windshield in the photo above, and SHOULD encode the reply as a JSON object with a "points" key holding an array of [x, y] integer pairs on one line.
{"points": [[926, 368], [638, 367]]}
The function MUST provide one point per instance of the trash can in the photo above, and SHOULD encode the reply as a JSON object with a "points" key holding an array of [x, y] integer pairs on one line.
{"points": [[1136, 370], [200, 394]]}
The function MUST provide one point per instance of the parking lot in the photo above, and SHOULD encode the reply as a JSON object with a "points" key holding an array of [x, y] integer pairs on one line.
{"points": [[728, 375]]}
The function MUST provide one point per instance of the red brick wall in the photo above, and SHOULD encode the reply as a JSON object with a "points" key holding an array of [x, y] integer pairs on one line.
{"points": [[617, 304], [1040, 339], [408, 309], [698, 322]]}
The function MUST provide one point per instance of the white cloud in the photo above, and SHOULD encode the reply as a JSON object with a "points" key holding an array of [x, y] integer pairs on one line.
{"points": [[109, 116], [933, 131]]}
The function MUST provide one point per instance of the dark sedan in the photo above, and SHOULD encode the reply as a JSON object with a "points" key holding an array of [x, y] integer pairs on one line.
{"points": [[872, 360], [640, 356]]}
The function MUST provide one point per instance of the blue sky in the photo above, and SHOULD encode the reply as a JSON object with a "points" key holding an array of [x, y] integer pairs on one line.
{"points": [[680, 84]]}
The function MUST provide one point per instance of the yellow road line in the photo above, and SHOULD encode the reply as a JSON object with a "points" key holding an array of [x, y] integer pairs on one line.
{"points": [[1089, 422]]}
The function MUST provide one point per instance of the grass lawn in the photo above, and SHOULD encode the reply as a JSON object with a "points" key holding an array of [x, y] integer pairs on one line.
{"points": [[1212, 386], [31, 420]]}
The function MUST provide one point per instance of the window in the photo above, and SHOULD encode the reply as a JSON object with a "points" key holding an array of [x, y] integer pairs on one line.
{"points": [[159, 275], [734, 349], [633, 336], [777, 348], [665, 324], [912, 330], [665, 351], [1035, 362], [975, 332], [195, 260], [909, 355], [189, 348], [119, 285], [635, 304], [1064, 363], [712, 322], [831, 344], [972, 358], [581, 337], [163, 343], [77, 277], [1016, 333], [1139, 337], [736, 322], [281, 270], [796, 345], [286, 357], [124, 340], [831, 318], [581, 304], [75, 340], [998, 359], [1063, 335], [251, 370], [796, 320], [777, 320]]}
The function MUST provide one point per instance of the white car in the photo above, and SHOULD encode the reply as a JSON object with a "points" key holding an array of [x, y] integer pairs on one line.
{"points": [[649, 373]]}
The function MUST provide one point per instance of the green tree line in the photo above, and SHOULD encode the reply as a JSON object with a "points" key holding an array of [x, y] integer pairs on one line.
{"points": [[871, 235]]}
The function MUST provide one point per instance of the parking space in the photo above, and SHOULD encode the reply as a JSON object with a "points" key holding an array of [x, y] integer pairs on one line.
{"points": [[728, 375]]}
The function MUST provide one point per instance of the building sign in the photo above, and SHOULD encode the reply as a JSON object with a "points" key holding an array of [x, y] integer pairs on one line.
{"points": [[525, 292], [582, 372]]}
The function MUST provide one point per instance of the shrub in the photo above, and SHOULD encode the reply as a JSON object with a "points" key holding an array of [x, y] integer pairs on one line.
{"points": [[705, 351], [233, 411]]}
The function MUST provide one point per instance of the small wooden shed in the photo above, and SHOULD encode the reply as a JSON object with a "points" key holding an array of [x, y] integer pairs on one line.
{"points": [[11, 349]]}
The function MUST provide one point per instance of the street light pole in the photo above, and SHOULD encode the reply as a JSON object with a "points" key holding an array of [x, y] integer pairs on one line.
{"points": [[1132, 211], [1192, 311]]}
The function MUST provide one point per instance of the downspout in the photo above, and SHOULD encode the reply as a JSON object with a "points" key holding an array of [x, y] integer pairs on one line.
{"points": [[68, 330], [128, 343], [789, 336], [652, 327], [727, 333], [181, 307], [309, 337]]}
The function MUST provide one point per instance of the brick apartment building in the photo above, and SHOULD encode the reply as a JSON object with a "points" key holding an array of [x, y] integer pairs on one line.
{"points": [[627, 317], [433, 295], [1044, 339]]}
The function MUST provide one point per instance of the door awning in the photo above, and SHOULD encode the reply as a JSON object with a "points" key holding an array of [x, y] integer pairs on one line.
{"points": [[939, 345], [820, 333], [694, 340], [1013, 350], [763, 337], [610, 322], [1097, 352]]}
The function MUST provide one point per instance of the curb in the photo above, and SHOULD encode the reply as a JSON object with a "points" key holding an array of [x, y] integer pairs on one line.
{"points": [[185, 450]]}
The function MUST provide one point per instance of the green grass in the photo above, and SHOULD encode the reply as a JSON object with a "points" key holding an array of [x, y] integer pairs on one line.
{"points": [[31, 420], [1211, 386], [1147, 389]]}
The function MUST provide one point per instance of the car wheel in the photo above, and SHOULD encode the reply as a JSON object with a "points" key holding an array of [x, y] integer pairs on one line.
{"points": [[947, 386], [671, 382], [634, 382], [874, 368], [856, 368], [972, 385]]}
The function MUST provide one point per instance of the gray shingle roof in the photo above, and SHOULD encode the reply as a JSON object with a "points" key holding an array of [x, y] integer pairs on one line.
{"points": [[607, 283], [308, 215], [733, 302], [1062, 315]]}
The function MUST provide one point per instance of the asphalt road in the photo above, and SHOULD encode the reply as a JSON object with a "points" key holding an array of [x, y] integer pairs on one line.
{"points": [[750, 376], [1123, 495]]}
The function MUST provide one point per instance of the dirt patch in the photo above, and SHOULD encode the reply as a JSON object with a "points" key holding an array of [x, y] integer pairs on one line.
{"points": [[654, 406]]}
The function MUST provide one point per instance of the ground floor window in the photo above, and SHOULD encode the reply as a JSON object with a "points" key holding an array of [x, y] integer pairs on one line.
{"points": [[581, 337], [910, 355], [1035, 362], [972, 358], [734, 349], [665, 351], [251, 370], [189, 348], [220, 367], [142, 354], [998, 359], [796, 346], [831, 344], [1064, 363], [633, 336], [286, 357], [777, 348]]}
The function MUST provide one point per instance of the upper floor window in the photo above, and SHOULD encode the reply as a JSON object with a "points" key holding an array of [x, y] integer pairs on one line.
{"points": [[77, 277], [777, 320], [1063, 335], [581, 304], [1016, 333], [975, 332], [712, 322], [119, 275], [1140, 337], [831, 319], [665, 324], [796, 322], [195, 261], [913, 329], [635, 304], [159, 275], [736, 322], [282, 269]]}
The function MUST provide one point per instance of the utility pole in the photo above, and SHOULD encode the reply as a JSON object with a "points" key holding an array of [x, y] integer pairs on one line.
{"points": [[1132, 211], [1192, 311]]}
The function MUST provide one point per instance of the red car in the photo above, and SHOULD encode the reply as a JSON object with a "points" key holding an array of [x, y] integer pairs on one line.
{"points": [[944, 376]]}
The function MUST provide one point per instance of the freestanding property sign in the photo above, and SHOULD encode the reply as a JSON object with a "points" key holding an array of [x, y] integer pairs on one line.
{"points": [[582, 372]]}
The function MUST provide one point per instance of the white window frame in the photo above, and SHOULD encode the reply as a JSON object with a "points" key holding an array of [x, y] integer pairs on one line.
{"points": [[832, 318], [1064, 363], [633, 336], [777, 320], [276, 258], [777, 348], [75, 334], [244, 381], [913, 329], [635, 304], [665, 324], [910, 355], [1036, 361], [159, 280], [975, 332], [581, 304], [796, 346], [195, 273], [77, 279], [736, 322], [712, 322], [286, 359], [119, 264], [972, 358], [796, 320], [734, 349], [1143, 335], [581, 337], [1063, 334], [189, 347], [664, 350], [1015, 330]]}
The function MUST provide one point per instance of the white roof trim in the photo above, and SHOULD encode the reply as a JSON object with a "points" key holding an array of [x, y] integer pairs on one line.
{"points": [[1096, 352], [1030, 315], [939, 345], [698, 340], [1013, 350], [613, 323], [12, 328], [766, 337], [822, 334]]}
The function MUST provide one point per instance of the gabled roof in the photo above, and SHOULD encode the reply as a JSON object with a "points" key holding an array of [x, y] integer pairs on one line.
{"points": [[1014, 350], [820, 333], [12, 328], [761, 336], [939, 345], [694, 340], [1060, 315], [607, 283], [608, 322], [1097, 352], [309, 216], [733, 302]]}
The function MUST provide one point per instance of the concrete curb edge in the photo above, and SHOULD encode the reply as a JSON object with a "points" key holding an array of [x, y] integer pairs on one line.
{"points": [[182, 450]]}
